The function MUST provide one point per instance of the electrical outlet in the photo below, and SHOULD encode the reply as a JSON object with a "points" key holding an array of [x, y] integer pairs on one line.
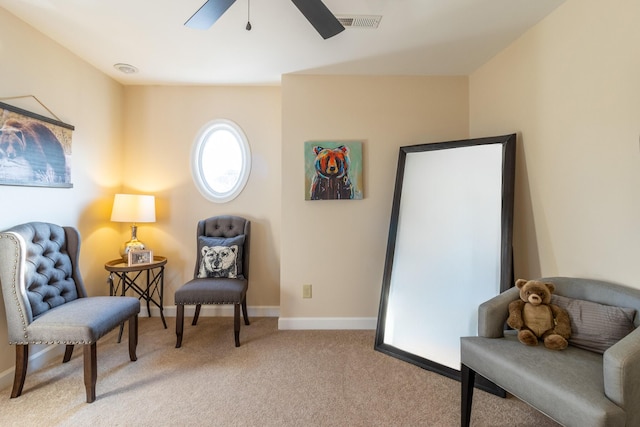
{"points": [[306, 291]]}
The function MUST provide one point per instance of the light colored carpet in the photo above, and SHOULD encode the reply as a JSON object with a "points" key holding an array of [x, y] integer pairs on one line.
{"points": [[275, 378]]}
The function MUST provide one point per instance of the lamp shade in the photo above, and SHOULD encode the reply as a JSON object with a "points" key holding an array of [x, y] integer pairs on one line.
{"points": [[133, 208]]}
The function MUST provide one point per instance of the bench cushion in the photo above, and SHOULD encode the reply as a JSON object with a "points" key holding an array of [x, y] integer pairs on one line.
{"points": [[81, 321], [549, 379], [198, 291]]}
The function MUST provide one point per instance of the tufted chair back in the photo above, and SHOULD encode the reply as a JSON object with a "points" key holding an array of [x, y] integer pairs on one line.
{"points": [[226, 226], [48, 255]]}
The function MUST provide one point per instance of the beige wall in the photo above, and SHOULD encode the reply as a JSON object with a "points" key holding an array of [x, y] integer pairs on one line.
{"points": [[571, 88], [339, 246], [161, 126], [78, 94]]}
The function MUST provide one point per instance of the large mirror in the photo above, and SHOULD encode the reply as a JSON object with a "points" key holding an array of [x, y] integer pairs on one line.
{"points": [[449, 247]]}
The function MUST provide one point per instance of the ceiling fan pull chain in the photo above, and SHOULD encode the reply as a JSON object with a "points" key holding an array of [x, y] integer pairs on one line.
{"points": [[248, 27]]}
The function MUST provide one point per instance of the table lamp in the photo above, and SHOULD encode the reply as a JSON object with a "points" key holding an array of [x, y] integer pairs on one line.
{"points": [[133, 208]]}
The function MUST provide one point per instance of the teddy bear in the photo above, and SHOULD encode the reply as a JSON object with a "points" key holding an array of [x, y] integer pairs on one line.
{"points": [[536, 318]]}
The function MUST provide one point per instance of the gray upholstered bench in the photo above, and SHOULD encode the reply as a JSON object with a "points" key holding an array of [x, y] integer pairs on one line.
{"points": [[575, 386]]}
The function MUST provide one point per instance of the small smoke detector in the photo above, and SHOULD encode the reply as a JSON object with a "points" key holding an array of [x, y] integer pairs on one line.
{"points": [[359, 21], [125, 68]]}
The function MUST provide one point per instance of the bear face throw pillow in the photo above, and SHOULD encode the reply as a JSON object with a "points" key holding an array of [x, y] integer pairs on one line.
{"points": [[220, 257]]}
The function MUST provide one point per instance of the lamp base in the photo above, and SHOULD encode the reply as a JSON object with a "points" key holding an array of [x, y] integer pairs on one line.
{"points": [[132, 245]]}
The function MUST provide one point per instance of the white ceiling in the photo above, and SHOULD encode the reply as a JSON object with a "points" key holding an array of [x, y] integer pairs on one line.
{"points": [[415, 37]]}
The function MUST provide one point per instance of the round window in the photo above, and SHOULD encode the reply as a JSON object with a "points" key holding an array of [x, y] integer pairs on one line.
{"points": [[221, 160]]}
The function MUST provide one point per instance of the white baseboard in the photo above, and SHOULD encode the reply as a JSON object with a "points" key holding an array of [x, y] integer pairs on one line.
{"points": [[272, 311], [327, 323], [212, 311]]}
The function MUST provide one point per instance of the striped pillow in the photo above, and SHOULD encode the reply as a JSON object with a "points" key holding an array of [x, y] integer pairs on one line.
{"points": [[596, 327]]}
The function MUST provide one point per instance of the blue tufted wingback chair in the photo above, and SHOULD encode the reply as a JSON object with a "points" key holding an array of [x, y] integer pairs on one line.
{"points": [[226, 231], [46, 301]]}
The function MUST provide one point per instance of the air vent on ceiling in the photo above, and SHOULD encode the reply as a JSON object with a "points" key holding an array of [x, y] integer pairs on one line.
{"points": [[359, 21]]}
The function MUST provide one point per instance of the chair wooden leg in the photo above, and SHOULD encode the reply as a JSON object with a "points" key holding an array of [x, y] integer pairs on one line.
{"points": [[236, 323], [22, 359], [133, 337], [120, 333], [244, 311], [68, 352], [179, 324], [467, 379], [90, 371], [196, 316]]}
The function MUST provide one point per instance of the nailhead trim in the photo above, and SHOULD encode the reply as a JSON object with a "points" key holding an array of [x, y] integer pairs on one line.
{"points": [[14, 291], [52, 342], [208, 303]]}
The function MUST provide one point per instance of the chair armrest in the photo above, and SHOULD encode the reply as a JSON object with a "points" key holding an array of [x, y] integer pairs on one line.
{"points": [[621, 368], [492, 314]]}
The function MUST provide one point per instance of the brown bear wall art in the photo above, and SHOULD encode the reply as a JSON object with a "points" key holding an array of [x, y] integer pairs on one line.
{"points": [[330, 167], [30, 151]]}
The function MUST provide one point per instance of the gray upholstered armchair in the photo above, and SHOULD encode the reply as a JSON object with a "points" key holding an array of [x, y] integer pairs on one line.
{"points": [[46, 301], [593, 382], [221, 273]]}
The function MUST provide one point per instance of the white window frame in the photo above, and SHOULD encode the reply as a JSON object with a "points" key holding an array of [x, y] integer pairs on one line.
{"points": [[196, 160]]}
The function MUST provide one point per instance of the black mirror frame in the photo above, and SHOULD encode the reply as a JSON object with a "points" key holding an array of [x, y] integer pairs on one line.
{"points": [[508, 143]]}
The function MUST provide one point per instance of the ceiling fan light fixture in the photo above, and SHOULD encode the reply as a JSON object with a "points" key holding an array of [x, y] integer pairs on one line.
{"points": [[208, 14], [319, 15], [315, 11], [125, 68]]}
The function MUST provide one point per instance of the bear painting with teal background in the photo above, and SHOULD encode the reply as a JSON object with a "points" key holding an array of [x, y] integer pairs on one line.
{"points": [[333, 170]]}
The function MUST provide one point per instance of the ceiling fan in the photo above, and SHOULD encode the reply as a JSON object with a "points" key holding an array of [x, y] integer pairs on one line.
{"points": [[314, 10]]}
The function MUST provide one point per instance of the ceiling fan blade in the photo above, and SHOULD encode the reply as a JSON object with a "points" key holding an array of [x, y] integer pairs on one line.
{"points": [[208, 14], [320, 17]]}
